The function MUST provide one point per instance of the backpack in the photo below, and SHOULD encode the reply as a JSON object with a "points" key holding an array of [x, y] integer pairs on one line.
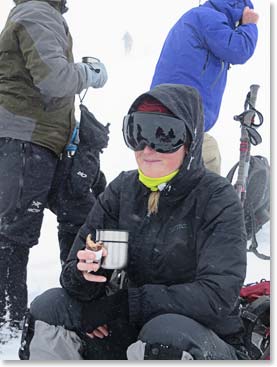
{"points": [[257, 201], [255, 314]]}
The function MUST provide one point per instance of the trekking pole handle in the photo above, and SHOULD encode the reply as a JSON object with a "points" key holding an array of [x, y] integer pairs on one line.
{"points": [[252, 103], [253, 93]]}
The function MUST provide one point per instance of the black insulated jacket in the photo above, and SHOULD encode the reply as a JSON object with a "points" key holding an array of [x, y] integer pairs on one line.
{"points": [[190, 257]]}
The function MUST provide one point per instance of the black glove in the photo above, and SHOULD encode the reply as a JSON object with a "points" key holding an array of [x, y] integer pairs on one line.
{"points": [[92, 133], [99, 312]]}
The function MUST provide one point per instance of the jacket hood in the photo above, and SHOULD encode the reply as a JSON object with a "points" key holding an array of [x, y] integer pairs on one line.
{"points": [[185, 103], [57, 4], [233, 9]]}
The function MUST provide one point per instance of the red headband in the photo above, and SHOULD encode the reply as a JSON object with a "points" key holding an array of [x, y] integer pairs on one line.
{"points": [[152, 105]]}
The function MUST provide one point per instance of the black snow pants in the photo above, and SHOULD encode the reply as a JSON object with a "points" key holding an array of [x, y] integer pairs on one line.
{"points": [[57, 335], [13, 289], [26, 171], [34, 178]]}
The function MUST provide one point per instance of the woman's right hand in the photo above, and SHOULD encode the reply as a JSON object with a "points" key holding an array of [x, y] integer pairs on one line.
{"points": [[88, 268], [100, 332]]}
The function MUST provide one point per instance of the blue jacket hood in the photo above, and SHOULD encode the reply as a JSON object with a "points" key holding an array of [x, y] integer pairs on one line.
{"points": [[233, 9]]}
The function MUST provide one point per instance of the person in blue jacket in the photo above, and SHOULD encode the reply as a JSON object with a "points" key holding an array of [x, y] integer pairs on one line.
{"points": [[198, 52]]}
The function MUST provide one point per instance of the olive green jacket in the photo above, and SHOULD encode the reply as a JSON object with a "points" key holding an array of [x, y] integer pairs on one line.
{"points": [[38, 77]]}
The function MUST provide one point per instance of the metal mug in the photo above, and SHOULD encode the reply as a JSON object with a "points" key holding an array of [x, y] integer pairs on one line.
{"points": [[90, 59], [116, 243]]}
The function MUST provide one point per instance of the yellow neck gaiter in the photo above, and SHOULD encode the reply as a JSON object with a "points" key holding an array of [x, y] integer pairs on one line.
{"points": [[153, 183]]}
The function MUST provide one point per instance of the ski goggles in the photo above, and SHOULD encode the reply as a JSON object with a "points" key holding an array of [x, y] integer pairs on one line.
{"points": [[163, 133]]}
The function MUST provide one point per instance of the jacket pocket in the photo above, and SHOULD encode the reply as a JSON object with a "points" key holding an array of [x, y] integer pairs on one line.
{"points": [[215, 76], [21, 176], [206, 63], [11, 166]]}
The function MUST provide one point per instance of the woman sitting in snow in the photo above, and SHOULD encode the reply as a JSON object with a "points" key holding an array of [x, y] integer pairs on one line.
{"points": [[186, 259]]}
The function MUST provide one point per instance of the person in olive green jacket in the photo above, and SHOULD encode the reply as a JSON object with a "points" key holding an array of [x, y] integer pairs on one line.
{"points": [[38, 84]]}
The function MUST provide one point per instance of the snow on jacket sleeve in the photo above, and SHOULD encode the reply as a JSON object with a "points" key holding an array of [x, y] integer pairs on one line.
{"points": [[44, 41], [104, 214], [221, 267], [235, 46]]}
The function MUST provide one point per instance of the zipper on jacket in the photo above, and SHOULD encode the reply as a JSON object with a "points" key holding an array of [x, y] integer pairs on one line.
{"points": [[137, 278], [206, 63], [205, 68], [21, 177], [219, 75]]}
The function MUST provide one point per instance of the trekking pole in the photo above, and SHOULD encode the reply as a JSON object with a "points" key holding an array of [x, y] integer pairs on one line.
{"points": [[249, 135], [246, 119]]}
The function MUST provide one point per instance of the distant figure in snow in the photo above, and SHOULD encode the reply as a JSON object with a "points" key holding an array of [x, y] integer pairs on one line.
{"points": [[38, 83], [128, 42], [198, 51]]}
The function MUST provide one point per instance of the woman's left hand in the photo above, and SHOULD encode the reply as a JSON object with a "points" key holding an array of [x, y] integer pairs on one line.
{"points": [[99, 312], [100, 332]]}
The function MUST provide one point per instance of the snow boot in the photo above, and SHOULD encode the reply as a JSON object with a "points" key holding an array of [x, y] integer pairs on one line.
{"points": [[27, 335], [13, 288]]}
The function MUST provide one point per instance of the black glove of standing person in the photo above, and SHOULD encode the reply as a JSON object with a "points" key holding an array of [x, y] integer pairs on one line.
{"points": [[102, 311], [92, 132]]}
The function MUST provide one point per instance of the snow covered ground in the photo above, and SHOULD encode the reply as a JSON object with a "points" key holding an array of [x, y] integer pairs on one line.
{"points": [[99, 33]]}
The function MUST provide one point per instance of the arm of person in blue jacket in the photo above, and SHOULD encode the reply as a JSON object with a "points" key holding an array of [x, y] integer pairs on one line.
{"points": [[235, 46]]}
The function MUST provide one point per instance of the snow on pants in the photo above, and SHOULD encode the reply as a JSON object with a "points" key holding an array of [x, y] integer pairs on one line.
{"points": [[13, 288], [57, 336], [27, 172], [211, 154]]}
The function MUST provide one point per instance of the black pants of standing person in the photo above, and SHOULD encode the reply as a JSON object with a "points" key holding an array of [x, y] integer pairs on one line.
{"points": [[26, 171], [13, 289], [55, 334], [32, 179]]}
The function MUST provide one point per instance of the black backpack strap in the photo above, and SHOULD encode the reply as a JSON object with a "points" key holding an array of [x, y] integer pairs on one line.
{"points": [[231, 173], [254, 243]]}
